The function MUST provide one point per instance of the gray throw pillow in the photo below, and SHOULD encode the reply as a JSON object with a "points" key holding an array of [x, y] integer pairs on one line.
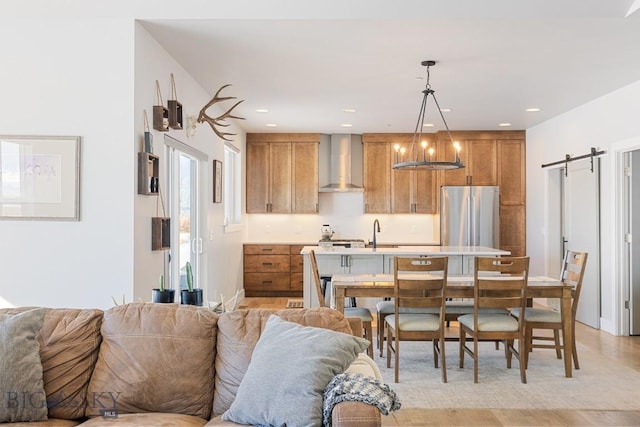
{"points": [[290, 367], [21, 386]]}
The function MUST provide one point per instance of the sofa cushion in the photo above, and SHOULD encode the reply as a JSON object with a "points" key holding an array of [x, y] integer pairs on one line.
{"points": [[69, 343], [155, 358], [238, 333], [290, 367], [21, 385]]}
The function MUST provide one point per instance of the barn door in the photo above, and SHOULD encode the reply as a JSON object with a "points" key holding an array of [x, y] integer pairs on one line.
{"points": [[581, 230]]}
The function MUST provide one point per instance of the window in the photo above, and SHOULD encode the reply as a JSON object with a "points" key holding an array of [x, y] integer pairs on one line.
{"points": [[232, 188]]}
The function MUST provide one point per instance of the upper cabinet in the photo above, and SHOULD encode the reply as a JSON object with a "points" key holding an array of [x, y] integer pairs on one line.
{"points": [[396, 191], [478, 154], [283, 173], [376, 176]]}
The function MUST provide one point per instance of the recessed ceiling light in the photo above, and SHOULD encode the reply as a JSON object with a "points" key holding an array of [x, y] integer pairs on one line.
{"points": [[532, 110], [271, 125], [428, 125], [446, 110], [262, 110], [346, 125], [504, 124], [349, 110]]}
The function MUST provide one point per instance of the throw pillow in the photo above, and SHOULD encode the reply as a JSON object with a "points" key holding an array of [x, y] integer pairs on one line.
{"points": [[21, 386], [290, 367]]}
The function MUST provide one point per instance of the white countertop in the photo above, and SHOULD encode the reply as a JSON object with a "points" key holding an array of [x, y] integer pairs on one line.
{"points": [[407, 250]]}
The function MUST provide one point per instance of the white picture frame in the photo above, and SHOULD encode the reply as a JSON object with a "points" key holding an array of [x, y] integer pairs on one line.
{"points": [[40, 178]]}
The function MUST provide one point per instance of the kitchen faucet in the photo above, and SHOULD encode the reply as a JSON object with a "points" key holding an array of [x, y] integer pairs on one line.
{"points": [[374, 233]]}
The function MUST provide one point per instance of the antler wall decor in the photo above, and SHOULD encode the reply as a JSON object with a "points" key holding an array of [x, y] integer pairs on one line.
{"points": [[216, 122]]}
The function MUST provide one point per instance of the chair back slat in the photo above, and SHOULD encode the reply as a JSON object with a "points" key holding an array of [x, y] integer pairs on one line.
{"points": [[419, 282], [573, 268], [500, 282]]}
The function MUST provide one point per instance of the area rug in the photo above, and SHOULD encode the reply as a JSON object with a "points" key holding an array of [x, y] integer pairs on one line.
{"points": [[599, 384], [295, 303]]}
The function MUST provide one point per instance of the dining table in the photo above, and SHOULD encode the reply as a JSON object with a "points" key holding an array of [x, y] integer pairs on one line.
{"points": [[380, 285]]}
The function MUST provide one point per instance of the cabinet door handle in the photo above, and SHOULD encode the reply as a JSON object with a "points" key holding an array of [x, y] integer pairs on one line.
{"points": [[267, 263], [267, 282], [267, 249]]}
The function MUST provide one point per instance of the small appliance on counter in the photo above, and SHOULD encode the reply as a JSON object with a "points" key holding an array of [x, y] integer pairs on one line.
{"points": [[327, 232], [327, 242]]}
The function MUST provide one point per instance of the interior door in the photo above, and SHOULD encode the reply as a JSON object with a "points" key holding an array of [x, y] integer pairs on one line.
{"points": [[581, 231]]}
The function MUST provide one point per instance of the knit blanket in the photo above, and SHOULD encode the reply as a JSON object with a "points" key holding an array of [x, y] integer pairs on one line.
{"points": [[358, 388]]}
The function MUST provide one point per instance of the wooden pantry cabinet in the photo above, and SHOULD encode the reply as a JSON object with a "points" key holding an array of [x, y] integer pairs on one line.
{"points": [[282, 173], [511, 179], [396, 191], [272, 270]]}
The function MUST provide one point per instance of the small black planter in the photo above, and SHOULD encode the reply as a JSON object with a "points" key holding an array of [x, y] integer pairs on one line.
{"points": [[191, 298], [166, 296]]}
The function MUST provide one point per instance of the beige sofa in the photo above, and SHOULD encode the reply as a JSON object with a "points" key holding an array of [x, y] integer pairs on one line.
{"points": [[162, 364]]}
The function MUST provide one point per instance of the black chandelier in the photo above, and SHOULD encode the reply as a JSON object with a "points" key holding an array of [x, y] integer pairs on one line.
{"points": [[413, 159]]}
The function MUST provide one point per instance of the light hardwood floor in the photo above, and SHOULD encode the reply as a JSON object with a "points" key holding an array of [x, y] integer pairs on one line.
{"points": [[624, 350]]}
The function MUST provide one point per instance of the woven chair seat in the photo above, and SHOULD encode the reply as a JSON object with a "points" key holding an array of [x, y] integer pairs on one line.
{"points": [[491, 322], [415, 322], [363, 313], [539, 315]]}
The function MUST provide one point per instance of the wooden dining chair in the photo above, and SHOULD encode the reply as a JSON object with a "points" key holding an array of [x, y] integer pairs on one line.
{"points": [[364, 314], [572, 273], [498, 283], [422, 287]]}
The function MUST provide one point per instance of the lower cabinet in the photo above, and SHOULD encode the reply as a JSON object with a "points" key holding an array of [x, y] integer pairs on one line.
{"points": [[272, 270]]}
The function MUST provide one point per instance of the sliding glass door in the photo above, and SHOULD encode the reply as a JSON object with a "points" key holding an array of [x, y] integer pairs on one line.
{"points": [[185, 166]]}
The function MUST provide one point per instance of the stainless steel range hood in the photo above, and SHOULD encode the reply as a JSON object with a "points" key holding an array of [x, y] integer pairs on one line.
{"points": [[341, 164]]}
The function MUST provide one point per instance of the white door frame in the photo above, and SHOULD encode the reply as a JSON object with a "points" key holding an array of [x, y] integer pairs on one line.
{"points": [[618, 214]]}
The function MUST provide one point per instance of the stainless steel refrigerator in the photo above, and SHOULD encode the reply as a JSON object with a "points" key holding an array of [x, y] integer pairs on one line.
{"points": [[470, 216]]}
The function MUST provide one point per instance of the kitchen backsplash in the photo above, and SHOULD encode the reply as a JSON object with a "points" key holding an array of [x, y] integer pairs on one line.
{"points": [[344, 213]]}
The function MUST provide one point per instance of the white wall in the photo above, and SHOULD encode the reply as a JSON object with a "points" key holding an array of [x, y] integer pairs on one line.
{"points": [[223, 251], [76, 77], [71, 77], [600, 123]]}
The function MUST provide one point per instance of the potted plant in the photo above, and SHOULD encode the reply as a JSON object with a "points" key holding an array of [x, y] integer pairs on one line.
{"points": [[161, 294], [191, 295]]}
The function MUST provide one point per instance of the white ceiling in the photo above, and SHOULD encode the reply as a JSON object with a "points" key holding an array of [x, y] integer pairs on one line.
{"points": [[495, 59]]}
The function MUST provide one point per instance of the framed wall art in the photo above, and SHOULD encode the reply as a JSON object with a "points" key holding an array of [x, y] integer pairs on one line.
{"points": [[40, 178], [217, 181]]}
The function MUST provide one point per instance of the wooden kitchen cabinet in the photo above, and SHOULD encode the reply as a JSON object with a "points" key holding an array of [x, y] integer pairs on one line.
{"points": [[377, 176], [272, 270], [478, 154], [304, 173], [268, 177], [511, 179], [282, 173], [297, 268], [396, 191]]}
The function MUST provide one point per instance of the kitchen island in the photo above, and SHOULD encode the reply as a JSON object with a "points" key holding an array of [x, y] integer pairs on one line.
{"points": [[333, 260]]}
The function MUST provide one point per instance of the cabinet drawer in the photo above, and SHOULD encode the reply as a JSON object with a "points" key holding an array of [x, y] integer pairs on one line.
{"points": [[267, 281], [297, 262], [266, 249], [266, 263], [296, 281]]}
